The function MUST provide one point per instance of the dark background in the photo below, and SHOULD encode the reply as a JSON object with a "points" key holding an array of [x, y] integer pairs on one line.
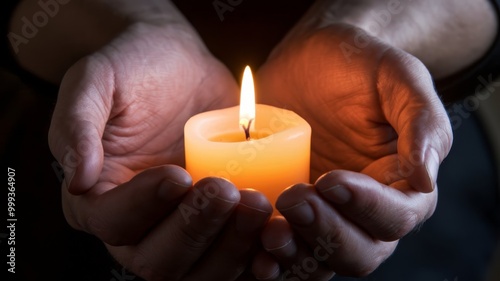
{"points": [[456, 242]]}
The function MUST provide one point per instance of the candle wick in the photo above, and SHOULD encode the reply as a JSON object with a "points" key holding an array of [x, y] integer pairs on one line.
{"points": [[247, 129]]}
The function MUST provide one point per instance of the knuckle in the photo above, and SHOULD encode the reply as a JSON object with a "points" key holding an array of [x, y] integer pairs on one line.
{"points": [[97, 227], [391, 228], [369, 211], [405, 223], [367, 264], [333, 240], [335, 235], [143, 268], [409, 220], [107, 232], [194, 239]]}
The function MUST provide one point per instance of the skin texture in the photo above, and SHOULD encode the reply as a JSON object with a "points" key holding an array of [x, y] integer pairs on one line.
{"points": [[380, 129], [379, 135], [113, 107], [447, 38]]}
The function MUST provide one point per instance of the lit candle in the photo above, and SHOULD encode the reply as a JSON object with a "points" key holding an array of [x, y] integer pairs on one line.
{"points": [[268, 150]]}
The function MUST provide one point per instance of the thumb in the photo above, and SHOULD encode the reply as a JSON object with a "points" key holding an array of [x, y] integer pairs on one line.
{"points": [[413, 108], [78, 123]]}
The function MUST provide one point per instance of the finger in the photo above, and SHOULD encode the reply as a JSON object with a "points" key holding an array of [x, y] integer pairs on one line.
{"points": [[172, 248], [239, 241], [334, 240], [277, 239], [413, 108], [384, 212], [124, 214], [295, 258], [265, 267], [82, 109]]}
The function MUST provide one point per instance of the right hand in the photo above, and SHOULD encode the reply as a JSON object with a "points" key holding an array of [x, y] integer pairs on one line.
{"points": [[117, 123], [379, 134]]}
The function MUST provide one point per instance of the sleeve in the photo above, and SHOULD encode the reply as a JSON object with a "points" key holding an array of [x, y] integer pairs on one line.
{"points": [[467, 81]]}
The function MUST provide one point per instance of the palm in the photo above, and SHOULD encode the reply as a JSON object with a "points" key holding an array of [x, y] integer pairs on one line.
{"points": [[340, 99], [150, 88], [139, 91], [376, 117]]}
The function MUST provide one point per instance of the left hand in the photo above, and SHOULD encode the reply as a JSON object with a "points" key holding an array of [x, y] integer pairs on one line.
{"points": [[117, 131], [379, 134]]}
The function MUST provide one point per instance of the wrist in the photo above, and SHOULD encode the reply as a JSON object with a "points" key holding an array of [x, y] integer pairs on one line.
{"points": [[447, 38], [47, 39]]}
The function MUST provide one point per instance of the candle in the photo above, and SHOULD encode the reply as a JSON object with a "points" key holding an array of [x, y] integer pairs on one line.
{"points": [[268, 150]]}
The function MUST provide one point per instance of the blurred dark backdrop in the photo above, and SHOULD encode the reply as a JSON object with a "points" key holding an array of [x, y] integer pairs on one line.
{"points": [[456, 242]]}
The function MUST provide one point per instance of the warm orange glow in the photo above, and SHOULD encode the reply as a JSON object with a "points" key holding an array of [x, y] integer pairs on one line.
{"points": [[270, 158], [247, 99]]}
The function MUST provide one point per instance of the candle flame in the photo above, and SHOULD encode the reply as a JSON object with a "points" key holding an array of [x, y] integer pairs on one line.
{"points": [[247, 100]]}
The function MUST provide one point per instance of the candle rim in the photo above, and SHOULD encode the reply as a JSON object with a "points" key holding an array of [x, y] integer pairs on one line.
{"points": [[201, 120]]}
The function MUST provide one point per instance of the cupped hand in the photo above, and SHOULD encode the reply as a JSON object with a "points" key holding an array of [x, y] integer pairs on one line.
{"points": [[117, 131], [122, 109], [379, 134]]}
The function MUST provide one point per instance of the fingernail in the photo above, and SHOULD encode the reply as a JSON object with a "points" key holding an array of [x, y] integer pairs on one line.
{"points": [[265, 267], [272, 276], [300, 213], [338, 194], [279, 247], [216, 198], [431, 175], [171, 189], [432, 167], [249, 219], [286, 250]]}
